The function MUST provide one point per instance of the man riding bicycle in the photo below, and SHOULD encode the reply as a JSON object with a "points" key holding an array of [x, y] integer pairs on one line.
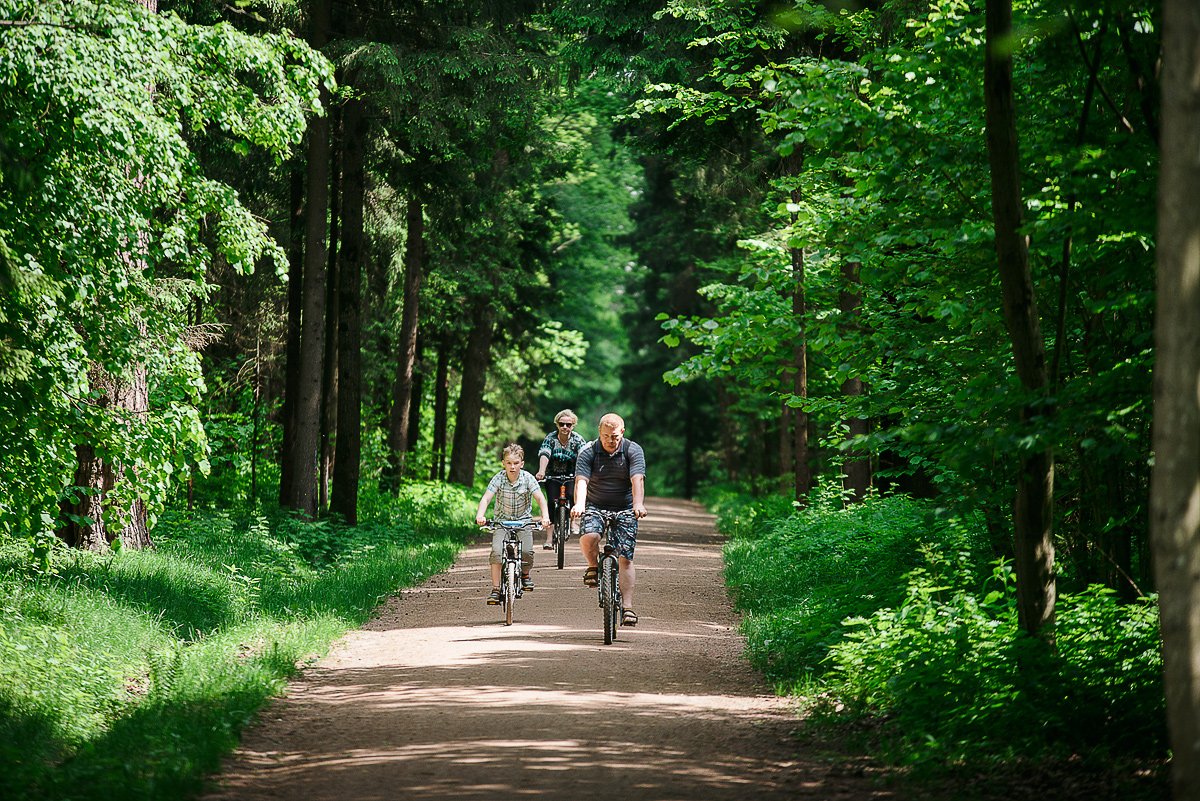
{"points": [[610, 474]]}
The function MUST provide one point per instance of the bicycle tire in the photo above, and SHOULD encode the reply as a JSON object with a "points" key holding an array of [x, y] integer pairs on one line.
{"points": [[510, 591], [560, 535], [608, 598]]}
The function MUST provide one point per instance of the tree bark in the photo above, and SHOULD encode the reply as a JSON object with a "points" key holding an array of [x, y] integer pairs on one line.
{"points": [[329, 373], [800, 455], [414, 265], [1175, 483], [476, 361], [347, 463], [295, 305], [1033, 512], [441, 403], [301, 451]]}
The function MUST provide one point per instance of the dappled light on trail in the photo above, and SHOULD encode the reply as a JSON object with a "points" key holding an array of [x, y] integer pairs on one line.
{"points": [[436, 699]]}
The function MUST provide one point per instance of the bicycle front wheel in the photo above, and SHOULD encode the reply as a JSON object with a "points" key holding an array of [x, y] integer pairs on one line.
{"points": [[510, 591], [608, 598], [561, 528]]}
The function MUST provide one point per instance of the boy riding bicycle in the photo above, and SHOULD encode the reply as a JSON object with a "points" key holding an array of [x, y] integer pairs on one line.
{"points": [[514, 490]]}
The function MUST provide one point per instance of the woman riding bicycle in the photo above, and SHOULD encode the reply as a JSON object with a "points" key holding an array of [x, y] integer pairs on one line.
{"points": [[514, 490], [611, 474], [556, 463]]}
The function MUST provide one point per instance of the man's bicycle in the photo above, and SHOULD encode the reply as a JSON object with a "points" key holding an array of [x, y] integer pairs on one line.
{"points": [[562, 516], [511, 552], [607, 571]]}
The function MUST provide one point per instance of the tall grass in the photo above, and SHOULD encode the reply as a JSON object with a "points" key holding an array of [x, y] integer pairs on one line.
{"points": [[129, 675]]}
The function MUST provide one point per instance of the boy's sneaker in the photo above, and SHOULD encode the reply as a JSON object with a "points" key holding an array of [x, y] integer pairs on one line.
{"points": [[494, 598], [526, 583]]}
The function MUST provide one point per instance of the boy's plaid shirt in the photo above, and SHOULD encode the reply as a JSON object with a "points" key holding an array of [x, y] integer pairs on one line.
{"points": [[513, 501]]}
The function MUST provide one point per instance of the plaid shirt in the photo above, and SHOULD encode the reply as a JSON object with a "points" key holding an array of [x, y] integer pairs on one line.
{"points": [[513, 501], [562, 457]]}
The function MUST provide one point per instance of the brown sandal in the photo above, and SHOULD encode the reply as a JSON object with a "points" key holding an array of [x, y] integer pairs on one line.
{"points": [[628, 618], [591, 577]]}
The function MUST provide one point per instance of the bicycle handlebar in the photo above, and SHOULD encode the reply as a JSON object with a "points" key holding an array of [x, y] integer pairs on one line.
{"points": [[508, 524]]}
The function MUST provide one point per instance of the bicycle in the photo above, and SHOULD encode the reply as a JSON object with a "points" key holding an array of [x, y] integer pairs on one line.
{"points": [[608, 571], [510, 562], [562, 516]]}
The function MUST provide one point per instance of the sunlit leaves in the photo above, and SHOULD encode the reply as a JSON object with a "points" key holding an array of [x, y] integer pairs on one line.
{"points": [[112, 225]]}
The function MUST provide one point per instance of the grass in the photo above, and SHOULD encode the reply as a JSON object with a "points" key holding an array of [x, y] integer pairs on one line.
{"points": [[129, 675]]}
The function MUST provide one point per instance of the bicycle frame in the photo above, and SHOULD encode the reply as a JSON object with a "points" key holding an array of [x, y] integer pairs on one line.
{"points": [[562, 517], [511, 552], [608, 572]]}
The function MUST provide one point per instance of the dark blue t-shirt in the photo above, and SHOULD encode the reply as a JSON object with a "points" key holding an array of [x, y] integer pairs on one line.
{"points": [[608, 475]]}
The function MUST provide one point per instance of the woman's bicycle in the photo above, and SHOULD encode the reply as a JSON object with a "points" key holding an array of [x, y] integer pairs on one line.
{"points": [[609, 587], [511, 552], [562, 516]]}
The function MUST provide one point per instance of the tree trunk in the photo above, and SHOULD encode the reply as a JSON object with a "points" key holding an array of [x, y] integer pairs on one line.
{"points": [[1175, 483], [129, 403], [1033, 511], [329, 373], [800, 454], [414, 265], [84, 511], [476, 361], [414, 399], [295, 305], [349, 409], [441, 403], [301, 450], [857, 467]]}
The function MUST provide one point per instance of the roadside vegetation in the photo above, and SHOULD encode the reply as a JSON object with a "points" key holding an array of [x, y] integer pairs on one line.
{"points": [[129, 674], [891, 620]]}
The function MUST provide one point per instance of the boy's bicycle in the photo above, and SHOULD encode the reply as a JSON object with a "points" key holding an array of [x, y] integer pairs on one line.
{"points": [[562, 516], [609, 588], [510, 562]]}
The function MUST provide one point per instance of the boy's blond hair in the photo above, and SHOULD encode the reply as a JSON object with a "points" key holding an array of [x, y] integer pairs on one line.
{"points": [[513, 449]]}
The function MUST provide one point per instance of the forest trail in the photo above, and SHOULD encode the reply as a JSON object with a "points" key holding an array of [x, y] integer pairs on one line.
{"points": [[436, 699]]}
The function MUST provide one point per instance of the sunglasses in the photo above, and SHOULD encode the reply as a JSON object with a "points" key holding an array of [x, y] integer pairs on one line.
{"points": [[566, 425]]}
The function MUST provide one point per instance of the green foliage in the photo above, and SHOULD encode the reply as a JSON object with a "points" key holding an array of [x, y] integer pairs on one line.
{"points": [[797, 574], [888, 610], [956, 678], [110, 223], [130, 675]]}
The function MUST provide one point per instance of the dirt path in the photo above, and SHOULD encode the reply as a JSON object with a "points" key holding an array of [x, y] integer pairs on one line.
{"points": [[437, 699]]}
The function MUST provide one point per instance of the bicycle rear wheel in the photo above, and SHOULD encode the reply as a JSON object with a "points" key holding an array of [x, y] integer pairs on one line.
{"points": [[608, 597], [560, 534], [510, 591]]}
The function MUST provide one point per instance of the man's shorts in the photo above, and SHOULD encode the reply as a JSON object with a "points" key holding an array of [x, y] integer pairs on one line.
{"points": [[622, 535]]}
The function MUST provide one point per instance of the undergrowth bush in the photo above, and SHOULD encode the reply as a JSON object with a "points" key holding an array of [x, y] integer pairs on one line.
{"points": [[894, 611], [795, 575], [956, 678]]}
